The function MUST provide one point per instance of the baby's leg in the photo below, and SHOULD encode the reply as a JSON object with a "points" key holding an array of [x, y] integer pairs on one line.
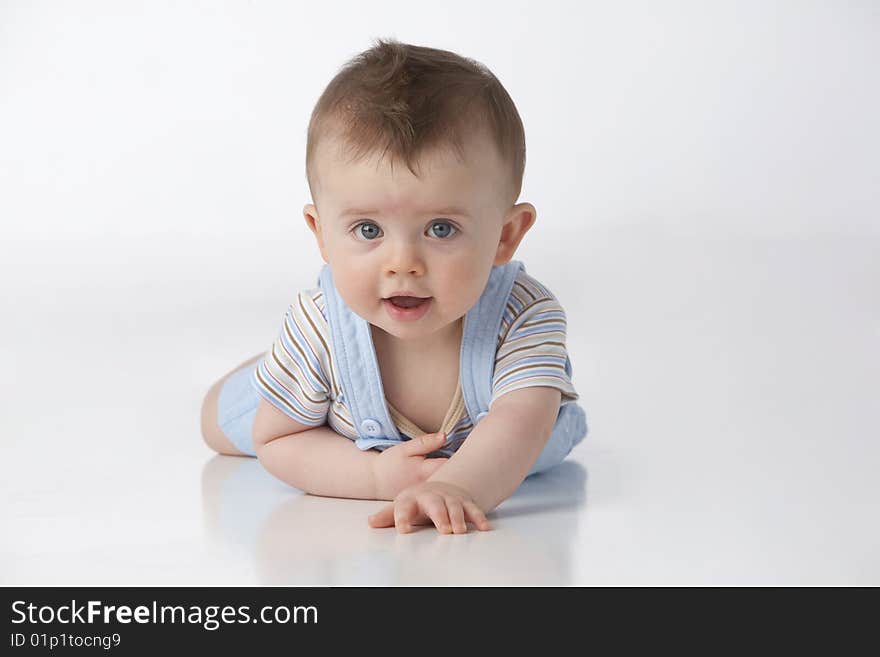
{"points": [[211, 432]]}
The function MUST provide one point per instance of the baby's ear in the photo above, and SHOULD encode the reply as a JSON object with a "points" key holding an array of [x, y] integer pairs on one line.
{"points": [[310, 214], [516, 224]]}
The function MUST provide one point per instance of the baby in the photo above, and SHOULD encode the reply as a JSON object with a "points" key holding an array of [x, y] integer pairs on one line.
{"points": [[427, 368]]}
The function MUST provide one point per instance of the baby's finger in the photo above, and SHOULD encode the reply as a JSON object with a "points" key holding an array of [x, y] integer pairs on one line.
{"points": [[435, 508], [383, 518], [476, 516], [456, 515], [405, 513], [430, 442]]}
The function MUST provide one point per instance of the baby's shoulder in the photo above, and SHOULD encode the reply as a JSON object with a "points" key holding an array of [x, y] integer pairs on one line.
{"points": [[528, 288], [312, 302], [530, 308], [315, 296]]}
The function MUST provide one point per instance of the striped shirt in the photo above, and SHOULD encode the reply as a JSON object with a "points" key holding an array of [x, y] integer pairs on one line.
{"points": [[298, 375]]}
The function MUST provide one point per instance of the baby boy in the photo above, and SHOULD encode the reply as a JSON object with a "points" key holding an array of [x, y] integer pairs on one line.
{"points": [[427, 368]]}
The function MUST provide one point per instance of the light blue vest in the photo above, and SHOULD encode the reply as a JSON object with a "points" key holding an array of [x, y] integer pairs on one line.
{"points": [[358, 369]]}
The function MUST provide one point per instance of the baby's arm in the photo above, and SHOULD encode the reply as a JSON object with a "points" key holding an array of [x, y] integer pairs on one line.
{"points": [[497, 456], [487, 468], [319, 461]]}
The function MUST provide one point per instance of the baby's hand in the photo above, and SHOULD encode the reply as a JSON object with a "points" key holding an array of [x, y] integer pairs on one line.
{"points": [[405, 465], [448, 507]]}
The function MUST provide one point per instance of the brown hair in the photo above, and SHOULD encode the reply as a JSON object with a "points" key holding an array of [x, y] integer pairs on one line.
{"points": [[405, 100]]}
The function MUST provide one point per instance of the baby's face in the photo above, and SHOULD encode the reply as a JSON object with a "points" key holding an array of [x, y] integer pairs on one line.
{"points": [[384, 231]]}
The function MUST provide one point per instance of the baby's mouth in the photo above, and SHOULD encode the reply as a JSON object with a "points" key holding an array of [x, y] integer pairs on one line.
{"points": [[407, 302]]}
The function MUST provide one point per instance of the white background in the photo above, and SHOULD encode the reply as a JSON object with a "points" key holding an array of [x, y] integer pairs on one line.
{"points": [[706, 179]]}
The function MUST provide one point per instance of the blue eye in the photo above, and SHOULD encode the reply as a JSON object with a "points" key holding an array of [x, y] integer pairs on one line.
{"points": [[449, 229], [368, 231], [371, 231]]}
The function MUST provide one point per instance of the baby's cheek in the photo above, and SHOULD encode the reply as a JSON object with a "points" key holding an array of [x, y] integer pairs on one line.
{"points": [[467, 281], [355, 289]]}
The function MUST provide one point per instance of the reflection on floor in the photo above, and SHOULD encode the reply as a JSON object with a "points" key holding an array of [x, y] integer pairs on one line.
{"points": [[307, 540]]}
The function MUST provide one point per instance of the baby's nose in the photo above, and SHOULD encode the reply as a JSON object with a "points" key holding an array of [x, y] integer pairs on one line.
{"points": [[405, 260]]}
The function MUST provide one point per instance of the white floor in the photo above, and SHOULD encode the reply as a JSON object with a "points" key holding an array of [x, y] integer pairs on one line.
{"points": [[730, 387]]}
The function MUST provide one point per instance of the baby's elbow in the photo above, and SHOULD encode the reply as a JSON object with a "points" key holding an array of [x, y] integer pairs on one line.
{"points": [[270, 424]]}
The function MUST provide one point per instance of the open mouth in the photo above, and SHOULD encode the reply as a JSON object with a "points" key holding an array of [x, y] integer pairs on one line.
{"points": [[407, 309], [407, 302]]}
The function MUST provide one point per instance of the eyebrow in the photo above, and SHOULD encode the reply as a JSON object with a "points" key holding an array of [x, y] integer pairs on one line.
{"points": [[442, 211]]}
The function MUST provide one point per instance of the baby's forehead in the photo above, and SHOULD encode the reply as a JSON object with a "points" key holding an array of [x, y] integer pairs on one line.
{"points": [[363, 188], [470, 174]]}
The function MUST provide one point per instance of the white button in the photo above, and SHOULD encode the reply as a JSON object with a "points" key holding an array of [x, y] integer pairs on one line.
{"points": [[371, 426], [481, 415]]}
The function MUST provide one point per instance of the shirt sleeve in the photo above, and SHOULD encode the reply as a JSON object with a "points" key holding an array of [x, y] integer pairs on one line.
{"points": [[533, 352], [292, 377]]}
